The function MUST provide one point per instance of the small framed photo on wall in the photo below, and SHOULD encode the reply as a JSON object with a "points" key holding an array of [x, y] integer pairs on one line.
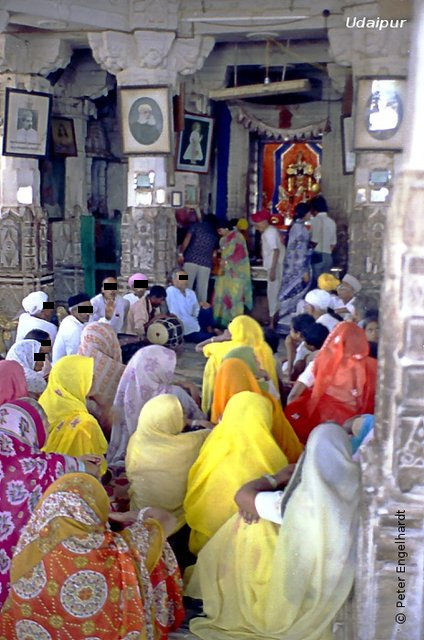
{"points": [[26, 123], [63, 137], [195, 144], [191, 195], [145, 120], [379, 114]]}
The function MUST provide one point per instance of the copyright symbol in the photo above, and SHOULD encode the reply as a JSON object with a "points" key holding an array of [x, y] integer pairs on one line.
{"points": [[400, 618]]}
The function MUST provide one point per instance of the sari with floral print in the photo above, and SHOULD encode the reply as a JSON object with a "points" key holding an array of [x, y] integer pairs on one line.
{"points": [[72, 577], [25, 473]]}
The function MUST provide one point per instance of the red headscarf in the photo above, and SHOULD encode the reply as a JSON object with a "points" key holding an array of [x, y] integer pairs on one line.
{"points": [[12, 381], [261, 215]]}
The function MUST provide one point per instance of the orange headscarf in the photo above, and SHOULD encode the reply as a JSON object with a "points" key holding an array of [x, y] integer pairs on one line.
{"points": [[235, 376], [344, 370]]}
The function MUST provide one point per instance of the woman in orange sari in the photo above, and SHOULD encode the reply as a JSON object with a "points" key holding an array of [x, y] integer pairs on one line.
{"points": [[345, 379], [235, 376], [72, 577]]}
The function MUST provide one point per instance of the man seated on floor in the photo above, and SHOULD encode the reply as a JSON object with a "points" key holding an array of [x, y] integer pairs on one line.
{"points": [[344, 303], [38, 315], [109, 306], [147, 309], [69, 335], [317, 303], [197, 318]]}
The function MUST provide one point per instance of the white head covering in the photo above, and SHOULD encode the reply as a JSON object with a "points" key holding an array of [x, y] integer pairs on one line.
{"points": [[352, 282], [23, 352], [318, 298], [33, 303]]}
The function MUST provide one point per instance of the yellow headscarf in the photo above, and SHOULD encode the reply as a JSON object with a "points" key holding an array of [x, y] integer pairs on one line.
{"points": [[245, 331], [239, 449], [288, 581], [159, 456], [73, 431]]}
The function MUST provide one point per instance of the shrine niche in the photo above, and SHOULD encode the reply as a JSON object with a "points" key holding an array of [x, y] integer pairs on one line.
{"points": [[291, 173]]}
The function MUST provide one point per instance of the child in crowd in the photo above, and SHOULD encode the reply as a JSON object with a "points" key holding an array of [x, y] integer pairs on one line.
{"points": [[295, 345], [314, 336], [371, 331]]}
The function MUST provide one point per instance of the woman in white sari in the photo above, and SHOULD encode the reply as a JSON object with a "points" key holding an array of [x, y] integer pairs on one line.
{"points": [[287, 578]]}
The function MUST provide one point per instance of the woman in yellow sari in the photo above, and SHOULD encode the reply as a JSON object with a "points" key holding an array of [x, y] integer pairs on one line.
{"points": [[243, 331], [240, 448], [235, 376], [73, 431], [159, 456], [72, 577], [287, 575]]}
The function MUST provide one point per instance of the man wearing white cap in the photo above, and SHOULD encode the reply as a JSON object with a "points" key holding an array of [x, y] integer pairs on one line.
{"points": [[37, 315], [317, 302], [346, 291]]}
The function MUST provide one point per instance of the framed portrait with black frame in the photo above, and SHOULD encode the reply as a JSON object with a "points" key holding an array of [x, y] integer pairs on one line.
{"points": [[146, 120], [26, 123], [379, 114], [195, 144]]}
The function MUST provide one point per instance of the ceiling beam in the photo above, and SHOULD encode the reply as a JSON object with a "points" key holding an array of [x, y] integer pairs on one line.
{"points": [[254, 90]]}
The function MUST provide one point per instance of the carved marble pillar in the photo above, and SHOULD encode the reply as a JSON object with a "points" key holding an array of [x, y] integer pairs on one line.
{"points": [[389, 584], [149, 57], [378, 54], [24, 256]]}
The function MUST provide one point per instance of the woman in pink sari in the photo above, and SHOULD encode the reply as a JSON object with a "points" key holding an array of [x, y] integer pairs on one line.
{"points": [[25, 473], [12, 381]]}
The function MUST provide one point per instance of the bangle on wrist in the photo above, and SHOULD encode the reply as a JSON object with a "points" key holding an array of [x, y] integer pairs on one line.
{"points": [[212, 339], [272, 481]]}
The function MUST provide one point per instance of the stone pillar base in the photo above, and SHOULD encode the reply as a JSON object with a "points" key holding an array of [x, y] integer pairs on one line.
{"points": [[149, 243]]}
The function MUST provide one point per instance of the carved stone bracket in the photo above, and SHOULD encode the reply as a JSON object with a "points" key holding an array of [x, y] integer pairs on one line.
{"points": [[33, 55], [148, 56]]}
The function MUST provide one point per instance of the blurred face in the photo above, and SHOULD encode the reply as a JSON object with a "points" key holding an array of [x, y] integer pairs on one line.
{"points": [[156, 302], [261, 226], [295, 335], [46, 314], [82, 317], [27, 121], [345, 292], [309, 309], [138, 291], [110, 294], [180, 284], [222, 231], [371, 331]]}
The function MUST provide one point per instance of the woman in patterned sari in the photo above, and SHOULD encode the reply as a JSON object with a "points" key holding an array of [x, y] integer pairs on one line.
{"points": [[22, 434], [297, 267], [72, 577], [233, 290]]}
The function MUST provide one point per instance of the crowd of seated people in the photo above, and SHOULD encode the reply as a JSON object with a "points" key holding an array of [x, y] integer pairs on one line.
{"points": [[125, 489]]}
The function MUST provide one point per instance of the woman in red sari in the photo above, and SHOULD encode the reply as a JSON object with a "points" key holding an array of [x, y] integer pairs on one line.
{"points": [[345, 379], [72, 577], [12, 381]]}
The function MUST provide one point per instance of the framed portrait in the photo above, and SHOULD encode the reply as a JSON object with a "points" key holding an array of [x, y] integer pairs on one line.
{"points": [[177, 199], [63, 141], [191, 195], [145, 120], [195, 144], [26, 123], [349, 157], [379, 114]]}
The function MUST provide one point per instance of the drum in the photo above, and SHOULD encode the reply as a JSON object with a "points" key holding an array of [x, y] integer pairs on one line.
{"points": [[167, 332]]}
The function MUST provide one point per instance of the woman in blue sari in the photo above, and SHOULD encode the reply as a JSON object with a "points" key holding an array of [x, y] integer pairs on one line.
{"points": [[297, 267]]}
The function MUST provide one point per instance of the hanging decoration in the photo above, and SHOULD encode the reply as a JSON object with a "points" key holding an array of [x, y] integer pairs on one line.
{"points": [[311, 130]]}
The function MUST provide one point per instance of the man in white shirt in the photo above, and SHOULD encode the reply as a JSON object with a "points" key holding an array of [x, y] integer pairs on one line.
{"points": [[38, 313], [69, 335], [273, 252], [109, 306], [317, 303], [183, 303], [138, 284], [323, 238], [344, 304]]}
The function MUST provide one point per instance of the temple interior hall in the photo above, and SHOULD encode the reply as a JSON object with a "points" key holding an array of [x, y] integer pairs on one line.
{"points": [[145, 143]]}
